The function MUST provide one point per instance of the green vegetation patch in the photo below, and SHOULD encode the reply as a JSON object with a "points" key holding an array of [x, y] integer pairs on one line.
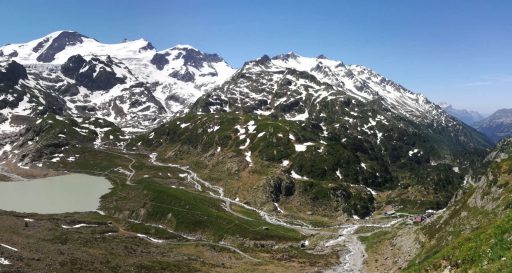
{"points": [[197, 213], [487, 249]]}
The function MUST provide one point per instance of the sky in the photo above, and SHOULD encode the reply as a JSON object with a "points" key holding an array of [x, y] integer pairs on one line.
{"points": [[456, 51]]}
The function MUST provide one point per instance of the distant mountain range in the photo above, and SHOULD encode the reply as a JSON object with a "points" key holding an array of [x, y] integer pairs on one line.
{"points": [[495, 126], [467, 116]]}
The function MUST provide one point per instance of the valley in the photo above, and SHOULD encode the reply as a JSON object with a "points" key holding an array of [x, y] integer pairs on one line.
{"points": [[263, 225], [287, 164]]}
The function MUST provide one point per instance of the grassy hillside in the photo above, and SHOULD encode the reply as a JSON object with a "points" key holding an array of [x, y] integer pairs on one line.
{"points": [[474, 234]]}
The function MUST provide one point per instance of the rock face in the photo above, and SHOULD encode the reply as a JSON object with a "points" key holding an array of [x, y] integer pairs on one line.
{"points": [[497, 125], [160, 60], [280, 187], [197, 59], [11, 74], [58, 44], [94, 74], [71, 68]]}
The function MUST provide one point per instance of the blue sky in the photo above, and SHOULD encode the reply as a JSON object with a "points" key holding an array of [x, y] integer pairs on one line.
{"points": [[454, 51]]}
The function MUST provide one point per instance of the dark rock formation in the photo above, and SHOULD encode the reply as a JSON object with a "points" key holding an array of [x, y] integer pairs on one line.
{"points": [[58, 44]]}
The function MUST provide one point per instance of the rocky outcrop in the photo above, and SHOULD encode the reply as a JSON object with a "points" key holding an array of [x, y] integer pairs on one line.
{"points": [[160, 60], [11, 74], [185, 76], [94, 74], [280, 186], [353, 200], [196, 59], [58, 44]]}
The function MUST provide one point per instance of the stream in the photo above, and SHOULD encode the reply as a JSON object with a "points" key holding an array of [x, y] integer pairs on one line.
{"points": [[352, 256]]}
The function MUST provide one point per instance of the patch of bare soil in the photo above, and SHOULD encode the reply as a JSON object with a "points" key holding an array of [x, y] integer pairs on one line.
{"points": [[393, 254]]}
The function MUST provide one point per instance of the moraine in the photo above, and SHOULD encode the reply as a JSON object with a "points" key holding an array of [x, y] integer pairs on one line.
{"points": [[59, 194]]}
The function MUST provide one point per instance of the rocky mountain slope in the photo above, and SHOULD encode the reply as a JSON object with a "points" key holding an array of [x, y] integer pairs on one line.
{"points": [[473, 234], [130, 83], [312, 140], [330, 130], [498, 125]]}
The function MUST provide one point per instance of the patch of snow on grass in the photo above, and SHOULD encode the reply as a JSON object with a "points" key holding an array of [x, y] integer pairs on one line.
{"points": [[379, 136], [9, 247], [262, 113], [78, 226], [278, 208], [248, 157], [251, 126], [411, 152], [299, 117], [338, 173], [373, 192], [302, 147], [213, 129], [246, 144], [22, 166], [150, 238], [241, 130], [6, 148], [297, 176]]}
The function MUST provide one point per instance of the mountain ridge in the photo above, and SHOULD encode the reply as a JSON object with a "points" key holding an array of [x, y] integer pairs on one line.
{"points": [[469, 117], [497, 126], [315, 141], [161, 89]]}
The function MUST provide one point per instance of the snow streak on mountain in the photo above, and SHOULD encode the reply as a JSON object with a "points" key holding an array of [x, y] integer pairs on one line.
{"points": [[137, 87], [130, 83]]}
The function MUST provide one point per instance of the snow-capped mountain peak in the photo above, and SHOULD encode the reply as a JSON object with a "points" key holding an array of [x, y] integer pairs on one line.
{"points": [[183, 46], [57, 47], [355, 80], [130, 82], [103, 78], [294, 85]]}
